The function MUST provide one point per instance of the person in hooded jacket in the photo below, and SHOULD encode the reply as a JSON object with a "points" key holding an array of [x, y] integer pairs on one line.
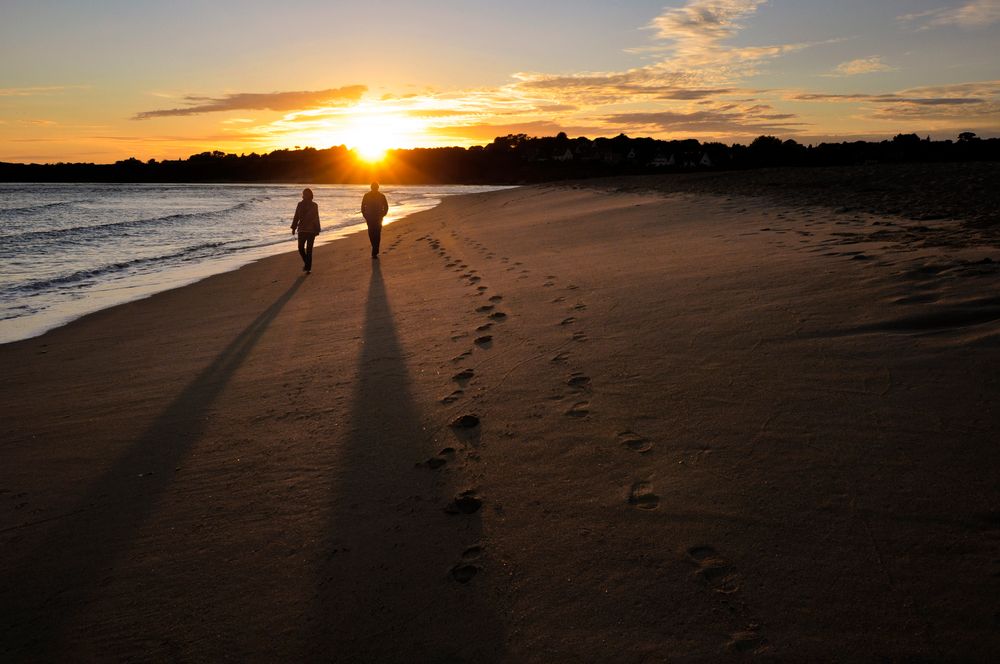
{"points": [[306, 223]]}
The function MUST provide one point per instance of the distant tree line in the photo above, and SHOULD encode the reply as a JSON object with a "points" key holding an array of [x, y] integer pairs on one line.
{"points": [[512, 159]]}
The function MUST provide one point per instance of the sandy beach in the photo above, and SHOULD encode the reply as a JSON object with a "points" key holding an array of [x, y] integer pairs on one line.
{"points": [[553, 423]]}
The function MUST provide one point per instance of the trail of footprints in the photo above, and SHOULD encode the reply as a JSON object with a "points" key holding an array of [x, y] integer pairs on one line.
{"points": [[466, 427], [712, 571]]}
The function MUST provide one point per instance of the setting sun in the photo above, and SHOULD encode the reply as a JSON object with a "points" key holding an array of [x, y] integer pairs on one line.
{"points": [[371, 153], [371, 133]]}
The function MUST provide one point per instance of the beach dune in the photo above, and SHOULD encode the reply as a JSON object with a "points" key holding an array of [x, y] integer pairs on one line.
{"points": [[549, 424]]}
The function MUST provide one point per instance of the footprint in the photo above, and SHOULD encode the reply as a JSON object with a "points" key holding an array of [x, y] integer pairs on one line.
{"points": [[466, 502], [713, 570], [579, 336], [486, 307], [459, 358], [558, 300], [481, 288], [641, 496], [473, 280], [496, 298], [548, 284], [560, 358], [484, 327], [464, 573], [580, 306], [578, 381], [568, 321], [484, 340], [472, 552], [498, 315], [634, 442], [579, 409], [747, 640], [443, 457], [465, 422], [463, 375]]}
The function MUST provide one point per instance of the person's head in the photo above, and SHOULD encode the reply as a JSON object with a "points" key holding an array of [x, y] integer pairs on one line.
{"points": [[307, 194], [374, 186]]}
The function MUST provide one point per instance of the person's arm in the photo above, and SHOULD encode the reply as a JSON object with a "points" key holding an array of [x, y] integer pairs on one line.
{"points": [[385, 206], [297, 217], [364, 206]]}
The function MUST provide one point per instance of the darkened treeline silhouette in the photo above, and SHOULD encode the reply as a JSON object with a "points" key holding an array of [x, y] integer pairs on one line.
{"points": [[511, 159]]}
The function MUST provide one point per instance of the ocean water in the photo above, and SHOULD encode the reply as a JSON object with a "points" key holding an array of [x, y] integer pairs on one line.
{"points": [[67, 250]]}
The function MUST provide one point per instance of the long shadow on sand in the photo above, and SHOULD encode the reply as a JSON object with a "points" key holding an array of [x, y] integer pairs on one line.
{"points": [[393, 584], [46, 588]]}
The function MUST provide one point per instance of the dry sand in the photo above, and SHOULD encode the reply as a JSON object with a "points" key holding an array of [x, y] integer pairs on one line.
{"points": [[706, 426]]}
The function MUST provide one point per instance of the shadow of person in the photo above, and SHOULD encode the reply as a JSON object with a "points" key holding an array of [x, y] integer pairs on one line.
{"points": [[399, 580], [61, 576]]}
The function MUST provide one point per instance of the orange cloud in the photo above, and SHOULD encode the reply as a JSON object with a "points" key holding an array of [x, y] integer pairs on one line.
{"points": [[861, 66], [975, 14], [269, 101]]}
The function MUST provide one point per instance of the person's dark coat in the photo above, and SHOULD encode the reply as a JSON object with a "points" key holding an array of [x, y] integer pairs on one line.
{"points": [[374, 206], [306, 218]]}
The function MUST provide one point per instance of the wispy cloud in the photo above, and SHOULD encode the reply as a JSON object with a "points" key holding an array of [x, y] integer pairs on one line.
{"points": [[974, 14], [39, 90], [254, 101], [858, 66], [949, 105], [694, 54], [727, 121], [930, 95], [702, 24]]}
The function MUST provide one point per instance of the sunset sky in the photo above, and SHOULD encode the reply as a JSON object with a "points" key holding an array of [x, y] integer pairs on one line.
{"points": [[105, 80]]}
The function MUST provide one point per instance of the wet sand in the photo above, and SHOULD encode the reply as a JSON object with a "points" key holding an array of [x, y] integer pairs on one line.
{"points": [[550, 424]]}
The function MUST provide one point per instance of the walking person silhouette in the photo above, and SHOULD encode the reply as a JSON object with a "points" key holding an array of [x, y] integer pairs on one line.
{"points": [[374, 207], [306, 222]]}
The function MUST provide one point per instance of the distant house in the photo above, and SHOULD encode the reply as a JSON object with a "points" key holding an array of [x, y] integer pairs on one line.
{"points": [[563, 156], [661, 160], [705, 161]]}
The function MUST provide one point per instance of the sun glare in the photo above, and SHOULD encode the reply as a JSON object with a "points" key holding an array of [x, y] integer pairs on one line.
{"points": [[371, 135], [370, 139]]}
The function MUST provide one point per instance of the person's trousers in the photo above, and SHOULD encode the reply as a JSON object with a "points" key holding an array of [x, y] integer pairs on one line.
{"points": [[375, 234], [306, 249]]}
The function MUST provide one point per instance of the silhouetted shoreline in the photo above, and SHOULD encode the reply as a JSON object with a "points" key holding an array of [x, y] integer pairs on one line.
{"points": [[514, 159]]}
